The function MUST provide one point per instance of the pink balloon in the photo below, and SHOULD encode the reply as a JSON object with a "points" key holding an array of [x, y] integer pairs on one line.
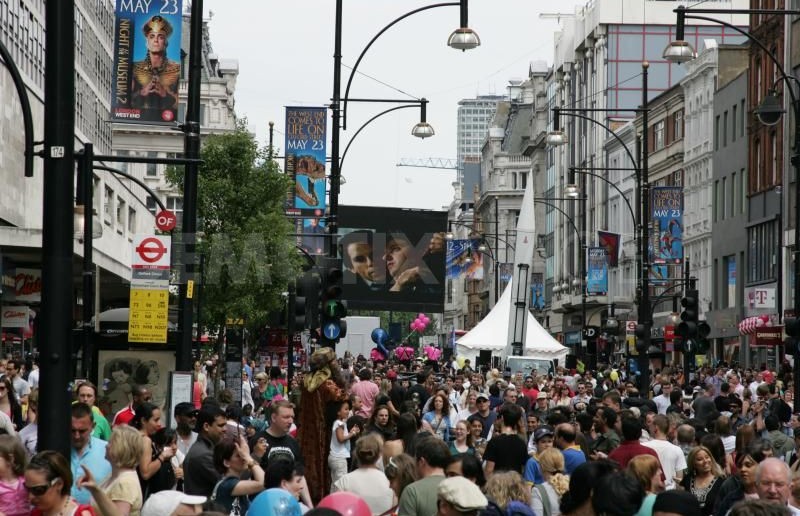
{"points": [[412, 326], [420, 315], [348, 504], [426, 320]]}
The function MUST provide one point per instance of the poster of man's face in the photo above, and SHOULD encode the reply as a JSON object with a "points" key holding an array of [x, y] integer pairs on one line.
{"points": [[392, 258]]}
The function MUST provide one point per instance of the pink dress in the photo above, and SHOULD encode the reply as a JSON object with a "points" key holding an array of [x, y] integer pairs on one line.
{"points": [[14, 498]]}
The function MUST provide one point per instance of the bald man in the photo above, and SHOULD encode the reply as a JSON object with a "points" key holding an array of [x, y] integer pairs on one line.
{"points": [[773, 482]]}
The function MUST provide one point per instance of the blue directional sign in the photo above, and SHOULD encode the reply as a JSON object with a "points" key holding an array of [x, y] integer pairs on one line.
{"points": [[331, 330]]}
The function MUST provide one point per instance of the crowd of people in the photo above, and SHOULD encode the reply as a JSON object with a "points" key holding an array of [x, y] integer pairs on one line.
{"points": [[415, 439]]}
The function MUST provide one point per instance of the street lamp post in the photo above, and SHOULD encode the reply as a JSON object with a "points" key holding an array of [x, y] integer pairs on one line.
{"points": [[462, 38], [558, 137], [680, 51]]}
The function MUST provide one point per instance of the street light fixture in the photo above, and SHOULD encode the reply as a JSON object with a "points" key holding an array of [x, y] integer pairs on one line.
{"points": [[464, 38], [571, 189], [680, 50], [423, 129], [770, 111]]}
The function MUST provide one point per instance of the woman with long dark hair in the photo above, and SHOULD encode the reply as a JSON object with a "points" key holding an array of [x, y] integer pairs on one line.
{"points": [[439, 417], [9, 404], [155, 470], [407, 428]]}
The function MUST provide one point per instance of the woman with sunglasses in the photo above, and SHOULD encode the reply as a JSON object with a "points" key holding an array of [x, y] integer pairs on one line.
{"points": [[9, 404], [48, 480]]}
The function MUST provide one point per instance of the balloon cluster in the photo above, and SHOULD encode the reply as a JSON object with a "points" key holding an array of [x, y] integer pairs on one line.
{"points": [[379, 352], [420, 323]]}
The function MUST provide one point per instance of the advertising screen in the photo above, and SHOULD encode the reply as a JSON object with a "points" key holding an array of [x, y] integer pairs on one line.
{"points": [[393, 258]]}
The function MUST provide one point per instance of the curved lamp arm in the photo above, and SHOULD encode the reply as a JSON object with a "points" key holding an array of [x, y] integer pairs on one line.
{"points": [[366, 48], [365, 124], [578, 170], [607, 128]]}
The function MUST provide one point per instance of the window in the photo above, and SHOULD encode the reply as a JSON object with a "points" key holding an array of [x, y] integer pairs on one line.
{"points": [[152, 168], [757, 163], [737, 201], [733, 124], [449, 290], [725, 129], [762, 244], [121, 212], [151, 205], [108, 203], [716, 201], [175, 205], [723, 212], [773, 140], [678, 125], [658, 135], [716, 133], [741, 120], [131, 221], [729, 280]]}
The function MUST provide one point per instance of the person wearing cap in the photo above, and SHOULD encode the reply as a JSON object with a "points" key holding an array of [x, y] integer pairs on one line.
{"points": [[173, 503], [541, 439], [542, 408], [457, 496], [484, 414], [185, 420]]}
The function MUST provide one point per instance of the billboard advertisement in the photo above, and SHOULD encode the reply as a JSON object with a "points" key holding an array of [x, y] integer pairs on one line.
{"points": [[313, 235], [613, 245], [392, 258], [537, 291], [305, 157], [597, 271], [666, 209], [147, 62], [464, 259]]}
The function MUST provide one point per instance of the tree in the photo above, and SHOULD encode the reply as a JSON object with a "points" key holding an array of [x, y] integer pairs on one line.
{"points": [[244, 233]]}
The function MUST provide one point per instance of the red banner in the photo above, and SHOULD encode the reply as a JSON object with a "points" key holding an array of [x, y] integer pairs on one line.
{"points": [[765, 336], [669, 338]]}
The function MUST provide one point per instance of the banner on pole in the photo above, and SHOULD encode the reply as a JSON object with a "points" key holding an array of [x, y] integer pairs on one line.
{"points": [[147, 62], [464, 258], [597, 271], [305, 151], [666, 205], [612, 242]]}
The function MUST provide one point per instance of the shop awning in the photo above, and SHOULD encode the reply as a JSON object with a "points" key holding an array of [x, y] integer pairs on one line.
{"points": [[749, 325]]}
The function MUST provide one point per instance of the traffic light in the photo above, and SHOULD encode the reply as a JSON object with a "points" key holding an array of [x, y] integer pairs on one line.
{"points": [[792, 327], [689, 328], [642, 333], [306, 310], [333, 309]]}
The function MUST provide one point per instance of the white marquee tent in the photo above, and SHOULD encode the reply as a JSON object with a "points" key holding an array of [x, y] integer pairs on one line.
{"points": [[490, 335]]}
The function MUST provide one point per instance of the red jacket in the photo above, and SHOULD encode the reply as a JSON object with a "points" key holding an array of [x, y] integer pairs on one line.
{"points": [[627, 450]]}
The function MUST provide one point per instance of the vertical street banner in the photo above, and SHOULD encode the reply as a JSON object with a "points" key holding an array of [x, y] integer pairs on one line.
{"points": [[147, 61], [612, 242], [597, 271], [666, 205], [505, 272], [732, 281], [305, 149], [464, 259], [537, 291]]}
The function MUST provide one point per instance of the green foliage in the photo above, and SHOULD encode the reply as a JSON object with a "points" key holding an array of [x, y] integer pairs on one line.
{"points": [[245, 240]]}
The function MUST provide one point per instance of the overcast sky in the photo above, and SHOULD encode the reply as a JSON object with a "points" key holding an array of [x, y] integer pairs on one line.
{"points": [[285, 54]]}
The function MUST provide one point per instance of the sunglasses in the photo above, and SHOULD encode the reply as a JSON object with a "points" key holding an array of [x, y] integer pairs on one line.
{"points": [[40, 489]]}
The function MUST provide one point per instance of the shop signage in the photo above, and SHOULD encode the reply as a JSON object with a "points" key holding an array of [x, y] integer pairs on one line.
{"points": [[760, 297], [15, 317], [768, 336], [28, 285]]}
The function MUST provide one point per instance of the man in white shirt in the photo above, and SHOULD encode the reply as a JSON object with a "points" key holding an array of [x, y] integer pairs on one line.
{"points": [[662, 400], [736, 385], [755, 383], [671, 457]]}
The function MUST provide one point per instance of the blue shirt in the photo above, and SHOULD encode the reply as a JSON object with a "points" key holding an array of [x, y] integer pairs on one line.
{"points": [[533, 472], [94, 457], [573, 457]]}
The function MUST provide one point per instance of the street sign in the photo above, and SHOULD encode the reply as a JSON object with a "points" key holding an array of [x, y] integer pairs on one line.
{"points": [[147, 320], [166, 220], [151, 251], [331, 330]]}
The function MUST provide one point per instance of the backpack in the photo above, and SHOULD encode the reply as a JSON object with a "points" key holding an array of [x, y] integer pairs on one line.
{"points": [[547, 510]]}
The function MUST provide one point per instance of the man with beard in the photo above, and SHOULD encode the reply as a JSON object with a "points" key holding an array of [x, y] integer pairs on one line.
{"points": [[185, 420], [200, 475]]}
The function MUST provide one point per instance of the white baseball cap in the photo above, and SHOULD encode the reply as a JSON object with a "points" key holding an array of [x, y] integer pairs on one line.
{"points": [[164, 503]]}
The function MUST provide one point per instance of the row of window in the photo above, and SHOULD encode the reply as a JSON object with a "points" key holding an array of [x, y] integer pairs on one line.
{"points": [[23, 35], [666, 131], [730, 196], [728, 128]]}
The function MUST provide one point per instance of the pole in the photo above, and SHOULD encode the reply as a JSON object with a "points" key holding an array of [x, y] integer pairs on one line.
{"points": [[584, 351], [55, 319], [200, 287], [290, 329], [333, 205], [191, 145], [645, 314], [796, 258], [88, 265]]}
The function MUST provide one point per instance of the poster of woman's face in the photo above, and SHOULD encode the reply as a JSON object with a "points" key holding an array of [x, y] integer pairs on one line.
{"points": [[120, 370]]}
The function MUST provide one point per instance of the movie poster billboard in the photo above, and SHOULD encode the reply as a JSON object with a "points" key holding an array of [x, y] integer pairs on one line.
{"points": [[305, 149], [392, 258], [666, 209], [464, 259], [597, 271], [612, 242], [147, 62]]}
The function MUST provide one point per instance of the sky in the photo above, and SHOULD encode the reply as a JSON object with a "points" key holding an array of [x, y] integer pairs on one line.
{"points": [[285, 54]]}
